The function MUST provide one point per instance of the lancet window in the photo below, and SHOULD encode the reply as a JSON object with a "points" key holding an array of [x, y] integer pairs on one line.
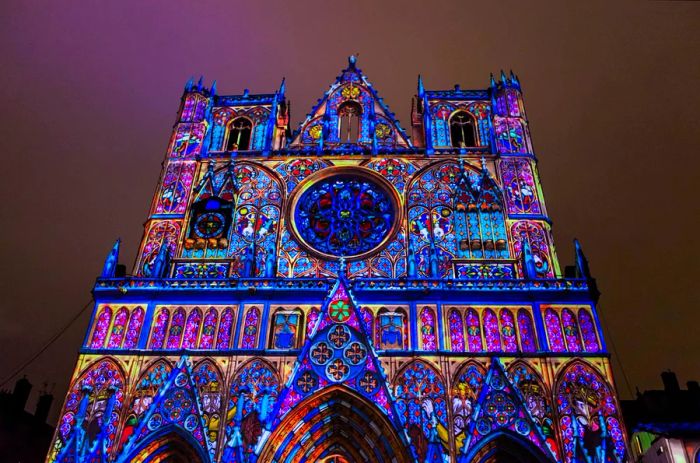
{"points": [[479, 218], [463, 130], [285, 329], [391, 332], [239, 134], [349, 116]]}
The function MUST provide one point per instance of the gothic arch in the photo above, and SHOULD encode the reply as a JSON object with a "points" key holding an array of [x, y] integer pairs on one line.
{"points": [[427, 363], [249, 362], [347, 423], [505, 446], [464, 391], [589, 415], [520, 362], [569, 364], [537, 397], [167, 444], [252, 394], [420, 397], [464, 366], [151, 378], [105, 380], [211, 363]]}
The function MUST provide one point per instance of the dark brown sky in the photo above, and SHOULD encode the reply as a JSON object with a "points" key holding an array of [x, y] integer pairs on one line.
{"points": [[89, 90]]}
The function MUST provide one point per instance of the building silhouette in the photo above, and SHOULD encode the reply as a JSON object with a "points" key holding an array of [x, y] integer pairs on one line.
{"points": [[24, 437], [664, 425], [345, 292]]}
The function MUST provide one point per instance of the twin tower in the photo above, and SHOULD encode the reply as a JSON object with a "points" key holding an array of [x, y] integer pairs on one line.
{"points": [[345, 293]]}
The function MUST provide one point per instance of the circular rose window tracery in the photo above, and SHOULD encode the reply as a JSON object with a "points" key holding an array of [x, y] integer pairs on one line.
{"points": [[344, 214]]}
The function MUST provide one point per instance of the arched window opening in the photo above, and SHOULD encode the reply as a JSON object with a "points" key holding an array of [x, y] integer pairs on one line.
{"points": [[285, 329], [462, 130], [390, 329], [239, 134], [349, 115]]}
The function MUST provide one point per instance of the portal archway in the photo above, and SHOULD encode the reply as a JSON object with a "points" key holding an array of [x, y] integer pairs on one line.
{"points": [[335, 425], [504, 448], [170, 446]]}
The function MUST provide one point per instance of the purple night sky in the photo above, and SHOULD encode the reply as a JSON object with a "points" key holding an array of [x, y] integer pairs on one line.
{"points": [[89, 92]]}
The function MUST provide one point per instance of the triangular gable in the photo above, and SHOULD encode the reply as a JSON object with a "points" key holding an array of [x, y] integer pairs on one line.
{"points": [[206, 187], [378, 128], [338, 351], [500, 407], [176, 405]]}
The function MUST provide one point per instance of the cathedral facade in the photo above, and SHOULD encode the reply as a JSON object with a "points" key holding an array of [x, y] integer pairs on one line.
{"points": [[345, 292]]}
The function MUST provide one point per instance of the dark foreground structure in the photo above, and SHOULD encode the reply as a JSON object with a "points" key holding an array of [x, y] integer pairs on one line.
{"points": [[24, 437], [345, 293], [664, 425]]}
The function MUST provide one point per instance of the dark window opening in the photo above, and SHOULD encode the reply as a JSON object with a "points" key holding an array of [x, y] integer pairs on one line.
{"points": [[349, 115], [462, 130], [239, 135]]}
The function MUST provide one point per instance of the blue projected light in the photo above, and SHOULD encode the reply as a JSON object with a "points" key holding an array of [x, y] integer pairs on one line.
{"points": [[344, 216]]}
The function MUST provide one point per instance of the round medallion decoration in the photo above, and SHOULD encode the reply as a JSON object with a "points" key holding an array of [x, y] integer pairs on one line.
{"points": [[344, 212], [337, 355], [209, 225]]}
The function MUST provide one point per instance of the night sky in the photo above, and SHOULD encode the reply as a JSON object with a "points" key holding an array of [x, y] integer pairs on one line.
{"points": [[89, 93]]}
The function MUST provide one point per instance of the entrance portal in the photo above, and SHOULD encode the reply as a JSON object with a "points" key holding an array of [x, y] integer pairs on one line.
{"points": [[504, 449], [335, 425], [169, 448]]}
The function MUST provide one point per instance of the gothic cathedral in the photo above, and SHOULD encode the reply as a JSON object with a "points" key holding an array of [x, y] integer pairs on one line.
{"points": [[345, 293]]}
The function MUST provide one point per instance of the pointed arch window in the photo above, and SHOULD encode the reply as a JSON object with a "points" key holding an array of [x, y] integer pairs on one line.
{"points": [[463, 130], [239, 134], [160, 325], [349, 115], [206, 341], [588, 331], [191, 336], [250, 329], [391, 329], [118, 328], [456, 330], [134, 329], [101, 327], [474, 331], [491, 334], [223, 338], [427, 329], [285, 329], [177, 326]]}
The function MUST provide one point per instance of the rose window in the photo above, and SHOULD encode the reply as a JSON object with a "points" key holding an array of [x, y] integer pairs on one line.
{"points": [[344, 215]]}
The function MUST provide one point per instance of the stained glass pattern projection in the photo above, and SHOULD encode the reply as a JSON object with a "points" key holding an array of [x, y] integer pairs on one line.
{"points": [[100, 384], [175, 188], [421, 404], [537, 238], [589, 417], [252, 398], [465, 391], [520, 187], [344, 216]]}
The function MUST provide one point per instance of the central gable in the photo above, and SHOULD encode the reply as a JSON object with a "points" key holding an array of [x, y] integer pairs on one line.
{"points": [[350, 117]]}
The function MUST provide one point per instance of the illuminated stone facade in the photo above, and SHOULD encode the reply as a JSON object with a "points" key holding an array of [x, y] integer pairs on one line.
{"points": [[345, 293]]}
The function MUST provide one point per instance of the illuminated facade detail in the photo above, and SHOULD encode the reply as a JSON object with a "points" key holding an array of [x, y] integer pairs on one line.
{"points": [[347, 293]]}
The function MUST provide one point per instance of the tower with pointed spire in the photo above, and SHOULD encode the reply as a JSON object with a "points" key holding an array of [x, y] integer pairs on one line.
{"points": [[345, 292]]}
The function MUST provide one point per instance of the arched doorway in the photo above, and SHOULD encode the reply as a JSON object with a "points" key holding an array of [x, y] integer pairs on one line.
{"points": [[508, 449], [335, 425], [168, 447]]}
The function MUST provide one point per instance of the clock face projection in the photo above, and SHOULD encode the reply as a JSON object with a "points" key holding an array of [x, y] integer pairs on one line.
{"points": [[344, 215], [209, 225]]}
